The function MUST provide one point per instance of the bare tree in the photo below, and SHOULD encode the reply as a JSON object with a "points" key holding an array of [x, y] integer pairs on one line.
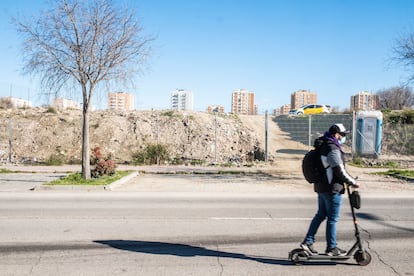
{"points": [[403, 54], [396, 98], [83, 43]]}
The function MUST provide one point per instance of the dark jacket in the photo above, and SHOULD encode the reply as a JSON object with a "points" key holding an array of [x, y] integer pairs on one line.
{"points": [[333, 159]]}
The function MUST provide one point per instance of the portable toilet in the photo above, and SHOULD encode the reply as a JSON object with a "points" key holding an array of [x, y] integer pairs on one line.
{"points": [[368, 133]]}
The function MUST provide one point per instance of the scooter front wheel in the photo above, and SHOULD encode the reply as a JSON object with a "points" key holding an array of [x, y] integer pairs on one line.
{"points": [[363, 258], [297, 256]]}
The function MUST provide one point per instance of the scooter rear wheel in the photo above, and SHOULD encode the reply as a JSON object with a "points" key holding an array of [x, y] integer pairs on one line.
{"points": [[363, 258], [296, 256]]}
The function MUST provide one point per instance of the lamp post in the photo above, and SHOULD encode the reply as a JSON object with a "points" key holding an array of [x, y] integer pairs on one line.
{"points": [[10, 140], [215, 136], [266, 139]]}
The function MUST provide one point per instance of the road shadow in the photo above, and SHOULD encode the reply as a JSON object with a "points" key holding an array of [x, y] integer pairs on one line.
{"points": [[292, 151], [186, 250], [379, 220]]}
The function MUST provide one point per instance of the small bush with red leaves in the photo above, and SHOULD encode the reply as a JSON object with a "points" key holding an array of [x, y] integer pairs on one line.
{"points": [[101, 165]]}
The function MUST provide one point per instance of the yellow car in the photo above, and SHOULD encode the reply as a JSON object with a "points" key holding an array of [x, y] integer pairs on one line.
{"points": [[313, 109]]}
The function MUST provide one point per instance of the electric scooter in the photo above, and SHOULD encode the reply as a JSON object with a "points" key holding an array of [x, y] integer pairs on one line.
{"points": [[360, 254]]}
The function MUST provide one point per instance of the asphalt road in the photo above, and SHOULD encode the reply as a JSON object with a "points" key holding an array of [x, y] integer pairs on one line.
{"points": [[61, 232]]}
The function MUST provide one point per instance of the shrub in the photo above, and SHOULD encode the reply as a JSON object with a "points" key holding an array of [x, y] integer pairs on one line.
{"points": [[257, 154], [152, 154], [55, 160], [101, 165], [5, 103], [407, 117], [403, 117], [51, 110], [398, 132], [169, 113]]}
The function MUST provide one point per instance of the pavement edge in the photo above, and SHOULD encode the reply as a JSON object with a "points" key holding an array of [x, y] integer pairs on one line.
{"points": [[121, 181]]}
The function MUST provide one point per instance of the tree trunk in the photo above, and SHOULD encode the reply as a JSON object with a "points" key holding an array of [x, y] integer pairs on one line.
{"points": [[86, 165]]}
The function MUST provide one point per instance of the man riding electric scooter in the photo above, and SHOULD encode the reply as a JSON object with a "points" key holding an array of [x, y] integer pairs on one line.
{"points": [[330, 187]]}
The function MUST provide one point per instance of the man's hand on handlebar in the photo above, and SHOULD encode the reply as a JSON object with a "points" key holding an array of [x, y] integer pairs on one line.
{"points": [[355, 186]]}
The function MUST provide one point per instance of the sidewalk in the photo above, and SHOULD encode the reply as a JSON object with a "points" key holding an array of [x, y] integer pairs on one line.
{"points": [[192, 179], [147, 169]]}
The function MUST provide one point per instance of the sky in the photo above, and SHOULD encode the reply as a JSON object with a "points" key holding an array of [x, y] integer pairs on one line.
{"points": [[273, 48]]}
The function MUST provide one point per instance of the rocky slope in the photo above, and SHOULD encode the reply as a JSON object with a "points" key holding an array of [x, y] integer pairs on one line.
{"points": [[34, 135]]}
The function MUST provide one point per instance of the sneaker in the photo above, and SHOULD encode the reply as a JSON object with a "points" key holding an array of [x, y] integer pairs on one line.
{"points": [[336, 251], [308, 248]]}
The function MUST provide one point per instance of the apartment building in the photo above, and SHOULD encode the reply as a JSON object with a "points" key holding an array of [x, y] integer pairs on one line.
{"points": [[282, 110], [62, 104], [242, 102], [364, 101], [302, 97], [120, 101], [182, 100], [17, 102]]}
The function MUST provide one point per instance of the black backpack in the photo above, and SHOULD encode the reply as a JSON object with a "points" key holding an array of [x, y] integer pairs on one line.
{"points": [[312, 167]]}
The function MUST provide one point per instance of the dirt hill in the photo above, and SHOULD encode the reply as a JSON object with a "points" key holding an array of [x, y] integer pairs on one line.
{"points": [[36, 135]]}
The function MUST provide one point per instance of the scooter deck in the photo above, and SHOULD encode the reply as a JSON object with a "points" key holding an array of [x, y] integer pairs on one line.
{"points": [[327, 257]]}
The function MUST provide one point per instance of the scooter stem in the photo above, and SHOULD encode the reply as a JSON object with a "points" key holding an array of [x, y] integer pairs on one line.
{"points": [[357, 233]]}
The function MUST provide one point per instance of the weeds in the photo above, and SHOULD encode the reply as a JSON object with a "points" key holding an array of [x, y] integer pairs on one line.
{"points": [[406, 173], [77, 179], [364, 163]]}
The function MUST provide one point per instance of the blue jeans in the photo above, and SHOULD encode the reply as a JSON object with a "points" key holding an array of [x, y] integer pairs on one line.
{"points": [[329, 206]]}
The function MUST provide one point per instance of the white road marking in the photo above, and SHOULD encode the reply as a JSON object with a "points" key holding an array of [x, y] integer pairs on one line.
{"points": [[263, 218]]}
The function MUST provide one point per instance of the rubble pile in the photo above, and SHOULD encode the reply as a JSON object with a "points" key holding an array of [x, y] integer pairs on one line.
{"points": [[34, 135]]}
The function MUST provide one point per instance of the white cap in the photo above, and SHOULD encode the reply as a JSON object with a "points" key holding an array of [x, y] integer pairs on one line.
{"points": [[338, 128]]}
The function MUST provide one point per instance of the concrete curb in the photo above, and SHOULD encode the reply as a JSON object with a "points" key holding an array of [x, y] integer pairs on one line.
{"points": [[120, 182], [86, 188]]}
